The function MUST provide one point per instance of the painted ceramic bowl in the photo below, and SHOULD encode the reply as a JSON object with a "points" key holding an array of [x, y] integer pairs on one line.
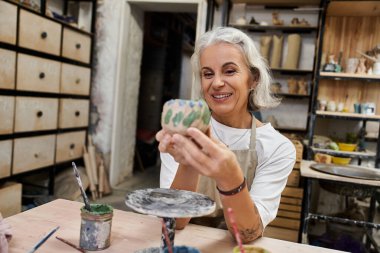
{"points": [[250, 249]]}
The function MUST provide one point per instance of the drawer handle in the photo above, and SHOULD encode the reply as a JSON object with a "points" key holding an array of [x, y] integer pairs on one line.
{"points": [[72, 146], [39, 114], [44, 35], [77, 46], [77, 81], [36, 155], [42, 75], [77, 113]]}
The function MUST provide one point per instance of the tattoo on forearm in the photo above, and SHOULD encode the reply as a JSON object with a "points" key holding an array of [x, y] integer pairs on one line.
{"points": [[250, 234]]}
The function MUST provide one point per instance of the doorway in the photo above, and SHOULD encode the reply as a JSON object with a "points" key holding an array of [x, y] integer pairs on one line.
{"points": [[126, 120], [168, 43]]}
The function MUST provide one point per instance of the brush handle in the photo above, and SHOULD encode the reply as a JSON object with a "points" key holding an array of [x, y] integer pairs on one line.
{"points": [[85, 199], [43, 240]]}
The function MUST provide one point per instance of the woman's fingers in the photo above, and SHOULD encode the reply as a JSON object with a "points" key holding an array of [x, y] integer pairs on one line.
{"points": [[191, 153], [206, 143]]}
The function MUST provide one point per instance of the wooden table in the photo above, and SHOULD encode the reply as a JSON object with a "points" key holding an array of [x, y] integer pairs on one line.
{"points": [[308, 172], [339, 181], [130, 231]]}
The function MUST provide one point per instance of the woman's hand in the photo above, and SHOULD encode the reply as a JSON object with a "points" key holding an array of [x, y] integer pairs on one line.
{"points": [[207, 156]]}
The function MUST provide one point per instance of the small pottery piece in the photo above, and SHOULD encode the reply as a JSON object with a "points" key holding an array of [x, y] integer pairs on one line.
{"points": [[361, 67], [292, 86], [302, 87], [276, 20]]}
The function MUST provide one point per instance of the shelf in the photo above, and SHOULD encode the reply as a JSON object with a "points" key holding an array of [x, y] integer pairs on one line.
{"points": [[293, 71], [348, 76], [291, 3], [289, 129], [288, 95], [283, 28], [367, 154], [347, 115]]}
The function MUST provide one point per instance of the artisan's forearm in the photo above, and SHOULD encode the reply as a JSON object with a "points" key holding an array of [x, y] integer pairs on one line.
{"points": [[185, 179], [246, 215]]}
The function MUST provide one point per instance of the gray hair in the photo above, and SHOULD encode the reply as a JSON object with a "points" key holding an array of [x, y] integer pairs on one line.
{"points": [[261, 96]]}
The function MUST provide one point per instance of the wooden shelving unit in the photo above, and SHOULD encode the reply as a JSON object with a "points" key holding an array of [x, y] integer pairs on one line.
{"points": [[282, 28], [366, 154], [348, 115], [349, 76]]}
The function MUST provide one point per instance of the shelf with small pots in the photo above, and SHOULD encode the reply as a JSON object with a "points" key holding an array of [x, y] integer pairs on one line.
{"points": [[347, 115], [352, 154], [349, 76], [282, 28]]}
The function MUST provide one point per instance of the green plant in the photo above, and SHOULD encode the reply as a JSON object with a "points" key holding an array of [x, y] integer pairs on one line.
{"points": [[352, 138]]}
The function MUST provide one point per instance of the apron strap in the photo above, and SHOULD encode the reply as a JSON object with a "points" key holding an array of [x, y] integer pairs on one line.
{"points": [[252, 146]]}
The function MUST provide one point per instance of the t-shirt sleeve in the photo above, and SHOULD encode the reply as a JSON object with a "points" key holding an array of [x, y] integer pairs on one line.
{"points": [[273, 169], [168, 171]]}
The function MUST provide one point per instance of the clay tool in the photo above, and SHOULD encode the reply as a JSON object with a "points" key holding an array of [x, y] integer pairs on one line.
{"points": [[43, 240], [234, 226], [70, 244], [85, 199], [166, 237]]}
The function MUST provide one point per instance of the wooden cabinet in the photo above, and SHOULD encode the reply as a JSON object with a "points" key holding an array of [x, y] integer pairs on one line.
{"points": [[45, 80], [73, 113], [75, 80], [33, 152], [39, 34], [70, 146], [7, 68], [6, 114], [37, 74], [36, 114], [5, 158], [76, 46], [8, 22]]}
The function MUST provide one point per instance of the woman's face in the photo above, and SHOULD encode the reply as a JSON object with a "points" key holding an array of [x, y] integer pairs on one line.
{"points": [[225, 79]]}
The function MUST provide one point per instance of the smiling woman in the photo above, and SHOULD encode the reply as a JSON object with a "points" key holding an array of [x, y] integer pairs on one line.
{"points": [[240, 162]]}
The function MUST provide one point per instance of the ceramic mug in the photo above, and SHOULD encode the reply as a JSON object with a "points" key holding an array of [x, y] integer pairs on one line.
{"points": [[331, 106], [351, 65]]}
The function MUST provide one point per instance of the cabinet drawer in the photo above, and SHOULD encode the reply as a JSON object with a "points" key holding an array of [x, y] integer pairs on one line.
{"points": [[7, 69], [73, 113], [70, 146], [75, 80], [76, 46], [39, 34], [37, 74], [7, 105], [33, 153], [5, 158], [8, 22], [33, 114]]}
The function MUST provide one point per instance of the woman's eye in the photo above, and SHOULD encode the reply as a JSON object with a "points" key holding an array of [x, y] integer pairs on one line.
{"points": [[230, 71], [207, 74]]}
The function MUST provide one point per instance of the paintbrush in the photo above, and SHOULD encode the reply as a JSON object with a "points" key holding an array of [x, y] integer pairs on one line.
{"points": [[43, 240], [234, 226], [166, 236], [70, 244], [85, 199]]}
